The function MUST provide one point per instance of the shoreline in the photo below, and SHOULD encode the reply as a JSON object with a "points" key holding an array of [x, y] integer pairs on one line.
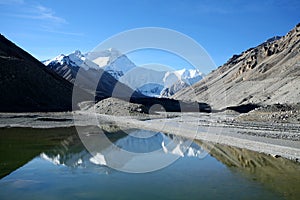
{"points": [[278, 140]]}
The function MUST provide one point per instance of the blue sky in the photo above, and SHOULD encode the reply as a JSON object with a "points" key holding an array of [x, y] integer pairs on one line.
{"points": [[225, 27]]}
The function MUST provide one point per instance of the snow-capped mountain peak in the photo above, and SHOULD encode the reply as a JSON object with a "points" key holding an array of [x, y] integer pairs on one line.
{"points": [[147, 81], [104, 58], [57, 59], [188, 73], [74, 59], [188, 76], [112, 61]]}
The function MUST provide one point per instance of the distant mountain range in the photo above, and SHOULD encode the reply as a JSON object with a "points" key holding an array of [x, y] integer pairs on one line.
{"points": [[266, 74], [149, 82], [27, 85], [91, 76], [263, 75]]}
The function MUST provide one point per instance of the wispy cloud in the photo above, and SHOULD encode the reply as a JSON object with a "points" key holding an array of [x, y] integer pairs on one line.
{"points": [[38, 12], [44, 18], [47, 14]]}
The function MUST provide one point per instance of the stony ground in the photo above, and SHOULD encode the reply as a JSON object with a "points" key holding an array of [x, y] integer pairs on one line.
{"points": [[263, 129], [277, 113]]}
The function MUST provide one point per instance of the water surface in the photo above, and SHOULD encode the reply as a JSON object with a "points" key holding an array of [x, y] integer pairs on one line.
{"points": [[53, 164]]}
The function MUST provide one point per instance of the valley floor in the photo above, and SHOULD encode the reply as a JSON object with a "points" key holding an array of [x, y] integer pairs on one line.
{"points": [[228, 128]]}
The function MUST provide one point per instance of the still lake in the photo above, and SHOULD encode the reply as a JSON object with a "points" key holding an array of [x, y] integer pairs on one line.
{"points": [[54, 164]]}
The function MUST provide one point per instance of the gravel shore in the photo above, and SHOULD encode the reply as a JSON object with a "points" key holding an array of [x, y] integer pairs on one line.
{"points": [[276, 139]]}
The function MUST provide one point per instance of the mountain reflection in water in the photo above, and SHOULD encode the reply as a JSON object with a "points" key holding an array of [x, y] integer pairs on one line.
{"points": [[128, 152], [62, 146]]}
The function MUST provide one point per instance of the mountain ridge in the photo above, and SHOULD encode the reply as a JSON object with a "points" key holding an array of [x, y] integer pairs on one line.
{"points": [[27, 86], [266, 74]]}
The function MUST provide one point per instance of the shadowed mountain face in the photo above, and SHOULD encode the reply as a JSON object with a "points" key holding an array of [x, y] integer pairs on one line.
{"points": [[90, 77], [266, 74], [27, 86]]}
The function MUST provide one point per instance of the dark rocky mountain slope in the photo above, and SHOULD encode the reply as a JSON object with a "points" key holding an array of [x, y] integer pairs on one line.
{"points": [[26, 85]]}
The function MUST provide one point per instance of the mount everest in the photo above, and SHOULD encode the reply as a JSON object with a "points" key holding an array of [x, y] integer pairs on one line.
{"points": [[147, 81]]}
